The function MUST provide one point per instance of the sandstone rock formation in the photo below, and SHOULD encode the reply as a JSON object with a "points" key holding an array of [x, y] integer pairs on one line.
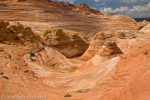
{"points": [[98, 41], [108, 51], [45, 13], [120, 77], [16, 33], [109, 14], [116, 65], [69, 43], [146, 29], [119, 34], [128, 45], [143, 23], [69, 5], [84, 7], [47, 57], [124, 74]]}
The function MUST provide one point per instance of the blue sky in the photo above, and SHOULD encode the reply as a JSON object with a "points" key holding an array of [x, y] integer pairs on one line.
{"points": [[131, 8]]}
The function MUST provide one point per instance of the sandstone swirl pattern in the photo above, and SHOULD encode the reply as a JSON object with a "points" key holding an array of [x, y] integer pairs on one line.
{"points": [[98, 41], [68, 43], [116, 66]]}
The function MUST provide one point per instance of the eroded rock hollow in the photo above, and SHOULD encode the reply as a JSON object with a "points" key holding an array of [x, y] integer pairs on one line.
{"points": [[57, 51]]}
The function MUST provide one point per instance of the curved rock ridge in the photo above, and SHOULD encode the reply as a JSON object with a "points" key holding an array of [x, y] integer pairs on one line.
{"points": [[119, 70], [69, 5], [109, 14], [22, 37], [48, 58], [118, 78], [145, 29], [79, 7], [134, 76], [45, 13], [98, 41], [68, 43], [22, 67], [126, 75], [84, 7], [119, 34], [143, 23], [109, 50], [128, 45]]}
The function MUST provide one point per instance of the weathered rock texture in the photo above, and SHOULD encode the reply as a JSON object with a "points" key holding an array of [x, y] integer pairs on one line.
{"points": [[45, 13], [68, 43], [128, 45], [119, 78], [84, 7], [109, 14], [33, 65], [146, 29], [16, 33], [21, 40], [108, 51], [98, 41], [143, 23], [24, 61]]}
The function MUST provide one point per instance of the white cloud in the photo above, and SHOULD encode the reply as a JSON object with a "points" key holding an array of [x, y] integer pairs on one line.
{"points": [[71, 1], [101, 4], [121, 9], [97, 0], [106, 10], [124, 1], [135, 11], [130, 1]]}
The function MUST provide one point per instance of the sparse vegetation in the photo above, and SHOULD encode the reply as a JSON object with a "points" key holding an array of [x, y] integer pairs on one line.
{"points": [[79, 91], [1, 73], [5, 77], [11, 31], [16, 38], [32, 54], [145, 53], [67, 95]]}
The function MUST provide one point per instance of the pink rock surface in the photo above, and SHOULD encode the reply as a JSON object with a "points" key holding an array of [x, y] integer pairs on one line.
{"points": [[118, 67]]}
